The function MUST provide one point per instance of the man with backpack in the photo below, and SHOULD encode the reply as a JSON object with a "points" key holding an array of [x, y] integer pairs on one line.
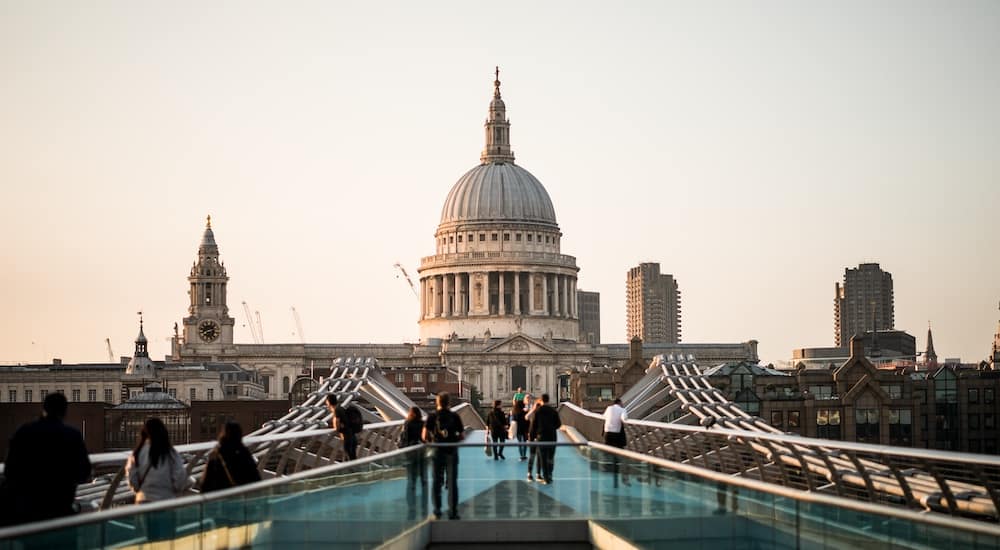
{"points": [[346, 422], [444, 426]]}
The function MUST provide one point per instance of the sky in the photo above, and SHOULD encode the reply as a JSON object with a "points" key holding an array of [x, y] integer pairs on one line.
{"points": [[754, 149]]}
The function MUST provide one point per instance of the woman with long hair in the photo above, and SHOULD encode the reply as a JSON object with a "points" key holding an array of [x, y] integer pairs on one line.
{"points": [[231, 463], [155, 471], [416, 470]]}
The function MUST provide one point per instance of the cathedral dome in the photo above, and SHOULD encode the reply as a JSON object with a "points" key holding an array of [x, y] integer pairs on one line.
{"points": [[498, 192]]}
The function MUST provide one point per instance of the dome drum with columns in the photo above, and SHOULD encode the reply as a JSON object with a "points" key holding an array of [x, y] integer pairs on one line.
{"points": [[498, 269]]}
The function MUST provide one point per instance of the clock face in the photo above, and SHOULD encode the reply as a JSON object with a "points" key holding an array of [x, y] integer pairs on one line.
{"points": [[208, 331]]}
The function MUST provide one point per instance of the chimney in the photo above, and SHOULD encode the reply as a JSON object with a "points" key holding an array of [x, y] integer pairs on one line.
{"points": [[857, 347], [56, 361], [635, 349]]}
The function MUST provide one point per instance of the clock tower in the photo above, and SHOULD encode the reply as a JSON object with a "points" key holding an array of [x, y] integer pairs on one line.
{"points": [[208, 328]]}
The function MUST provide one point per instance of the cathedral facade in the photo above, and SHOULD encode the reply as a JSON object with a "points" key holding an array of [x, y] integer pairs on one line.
{"points": [[498, 299]]}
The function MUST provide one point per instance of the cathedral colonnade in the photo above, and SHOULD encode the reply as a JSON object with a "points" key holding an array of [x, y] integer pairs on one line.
{"points": [[478, 292]]}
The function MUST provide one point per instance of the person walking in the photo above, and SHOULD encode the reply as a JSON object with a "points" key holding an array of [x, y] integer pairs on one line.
{"points": [[416, 469], [534, 462], [341, 424], [444, 426], [230, 463], [520, 428], [46, 460], [497, 423], [544, 426], [614, 424]]}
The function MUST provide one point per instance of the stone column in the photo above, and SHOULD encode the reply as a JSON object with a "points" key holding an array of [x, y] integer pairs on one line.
{"points": [[459, 303], [531, 292], [438, 299], [573, 299], [556, 296], [545, 294], [486, 292], [423, 298], [500, 305], [445, 290], [517, 293], [565, 296]]}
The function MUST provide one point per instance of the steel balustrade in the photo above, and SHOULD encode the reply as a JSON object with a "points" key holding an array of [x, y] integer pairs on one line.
{"points": [[726, 439]]}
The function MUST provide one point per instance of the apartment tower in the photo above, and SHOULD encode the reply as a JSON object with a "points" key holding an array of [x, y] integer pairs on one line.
{"points": [[863, 303], [653, 305]]}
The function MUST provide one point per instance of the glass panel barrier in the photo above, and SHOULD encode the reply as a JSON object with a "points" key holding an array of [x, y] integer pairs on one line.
{"points": [[648, 501]]}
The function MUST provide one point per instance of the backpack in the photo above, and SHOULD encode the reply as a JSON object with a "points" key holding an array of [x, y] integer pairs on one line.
{"points": [[354, 420]]}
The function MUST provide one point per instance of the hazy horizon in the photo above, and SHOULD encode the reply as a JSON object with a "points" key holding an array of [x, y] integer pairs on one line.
{"points": [[754, 151]]}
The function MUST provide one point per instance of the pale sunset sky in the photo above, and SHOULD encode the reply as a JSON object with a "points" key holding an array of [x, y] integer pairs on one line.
{"points": [[753, 149]]}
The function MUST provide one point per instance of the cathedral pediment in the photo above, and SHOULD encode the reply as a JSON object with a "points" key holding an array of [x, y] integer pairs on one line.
{"points": [[519, 343]]}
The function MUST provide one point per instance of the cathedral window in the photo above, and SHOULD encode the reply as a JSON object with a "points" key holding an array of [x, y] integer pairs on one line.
{"points": [[493, 237], [517, 237], [211, 394], [482, 237], [194, 394], [109, 395], [451, 239], [506, 236], [92, 395], [459, 238], [529, 237]]}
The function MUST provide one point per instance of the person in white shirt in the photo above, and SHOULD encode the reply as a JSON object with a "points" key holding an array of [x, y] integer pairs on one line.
{"points": [[614, 424]]}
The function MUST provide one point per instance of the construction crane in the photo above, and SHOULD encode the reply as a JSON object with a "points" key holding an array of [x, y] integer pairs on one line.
{"points": [[298, 324], [260, 328], [111, 354], [253, 330], [402, 270]]}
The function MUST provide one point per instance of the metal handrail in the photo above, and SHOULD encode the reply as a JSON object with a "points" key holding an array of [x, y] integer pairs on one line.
{"points": [[716, 477]]}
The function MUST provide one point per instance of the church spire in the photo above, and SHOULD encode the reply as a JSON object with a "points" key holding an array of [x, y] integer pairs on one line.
{"points": [[929, 354], [497, 148]]}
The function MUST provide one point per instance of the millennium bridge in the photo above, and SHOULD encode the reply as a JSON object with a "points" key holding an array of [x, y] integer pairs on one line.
{"points": [[715, 477]]}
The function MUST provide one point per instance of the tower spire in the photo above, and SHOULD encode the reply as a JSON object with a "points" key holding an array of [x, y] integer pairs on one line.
{"points": [[497, 149], [929, 354]]}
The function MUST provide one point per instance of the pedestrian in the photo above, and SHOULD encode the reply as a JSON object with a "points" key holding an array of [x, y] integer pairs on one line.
{"points": [[614, 424], [444, 426], [155, 470], [519, 394], [534, 462], [497, 423], [341, 424], [46, 460], [519, 427], [544, 426], [230, 463], [412, 434]]}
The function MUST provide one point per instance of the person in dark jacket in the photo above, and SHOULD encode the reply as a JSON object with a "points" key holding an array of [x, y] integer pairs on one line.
{"points": [[544, 425], [231, 463], [46, 460], [521, 425], [444, 426], [496, 421], [416, 469]]}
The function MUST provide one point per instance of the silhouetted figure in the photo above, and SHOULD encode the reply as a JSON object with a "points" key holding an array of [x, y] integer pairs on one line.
{"points": [[444, 426], [544, 425], [496, 421], [231, 463], [416, 468], [341, 424], [45, 462], [520, 424], [534, 462]]}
